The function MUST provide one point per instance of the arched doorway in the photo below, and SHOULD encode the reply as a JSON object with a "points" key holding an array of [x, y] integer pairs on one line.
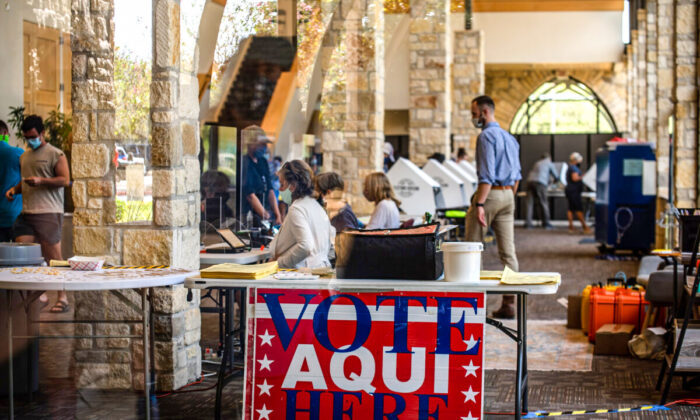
{"points": [[561, 116]]}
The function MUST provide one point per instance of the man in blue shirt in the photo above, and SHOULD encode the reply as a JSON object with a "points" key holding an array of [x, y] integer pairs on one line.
{"points": [[9, 177], [258, 193], [493, 203]]}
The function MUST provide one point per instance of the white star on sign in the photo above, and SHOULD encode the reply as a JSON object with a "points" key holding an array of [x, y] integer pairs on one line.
{"points": [[265, 363], [264, 413], [264, 388], [471, 369], [469, 417], [266, 338], [470, 395], [471, 342]]}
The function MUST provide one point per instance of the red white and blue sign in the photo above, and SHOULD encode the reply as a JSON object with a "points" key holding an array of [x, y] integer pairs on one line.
{"points": [[332, 355]]}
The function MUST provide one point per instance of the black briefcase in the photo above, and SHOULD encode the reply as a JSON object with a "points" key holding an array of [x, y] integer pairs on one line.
{"points": [[397, 254]]}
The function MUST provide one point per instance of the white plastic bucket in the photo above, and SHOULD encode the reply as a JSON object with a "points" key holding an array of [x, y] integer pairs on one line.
{"points": [[462, 261]]}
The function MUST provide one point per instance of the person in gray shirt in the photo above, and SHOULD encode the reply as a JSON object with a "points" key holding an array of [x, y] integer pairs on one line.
{"points": [[538, 181]]}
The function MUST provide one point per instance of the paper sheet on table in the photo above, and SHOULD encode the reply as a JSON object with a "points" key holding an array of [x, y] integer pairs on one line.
{"points": [[511, 277], [490, 275], [239, 271]]}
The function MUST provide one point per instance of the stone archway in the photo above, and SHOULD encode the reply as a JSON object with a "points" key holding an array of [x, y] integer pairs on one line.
{"points": [[510, 86]]}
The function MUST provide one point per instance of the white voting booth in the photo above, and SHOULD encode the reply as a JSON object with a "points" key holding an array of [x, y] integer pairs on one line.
{"points": [[452, 187], [470, 182], [469, 168], [418, 192]]}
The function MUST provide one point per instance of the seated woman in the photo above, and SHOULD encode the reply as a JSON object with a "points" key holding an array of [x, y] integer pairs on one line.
{"points": [[331, 186], [304, 239], [378, 190]]}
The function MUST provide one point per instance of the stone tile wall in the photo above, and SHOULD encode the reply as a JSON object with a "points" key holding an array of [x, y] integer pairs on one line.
{"points": [[641, 74], [664, 89], [686, 95], [352, 104], [430, 52], [173, 236], [468, 82]]}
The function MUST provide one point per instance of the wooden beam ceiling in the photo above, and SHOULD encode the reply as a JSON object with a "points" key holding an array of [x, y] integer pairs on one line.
{"points": [[546, 5]]}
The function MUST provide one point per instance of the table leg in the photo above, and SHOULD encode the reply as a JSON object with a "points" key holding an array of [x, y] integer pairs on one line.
{"points": [[221, 379], [519, 364], [526, 379], [10, 361], [229, 322], [146, 347]]}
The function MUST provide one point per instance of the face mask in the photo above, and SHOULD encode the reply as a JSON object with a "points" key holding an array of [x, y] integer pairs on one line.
{"points": [[286, 196], [478, 123], [34, 143], [260, 153], [5, 138]]}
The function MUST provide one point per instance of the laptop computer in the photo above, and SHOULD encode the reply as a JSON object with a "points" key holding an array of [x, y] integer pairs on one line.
{"points": [[232, 243]]}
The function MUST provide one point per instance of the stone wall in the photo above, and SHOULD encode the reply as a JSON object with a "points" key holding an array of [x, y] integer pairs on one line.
{"points": [[510, 86], [686, 95], [641, 74], [664, 89], [468, 82], [173, 236], [352, 104], [430, 52]]}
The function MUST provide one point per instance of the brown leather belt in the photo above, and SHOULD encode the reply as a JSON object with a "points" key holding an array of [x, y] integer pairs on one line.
{"points": [[501, 187]]}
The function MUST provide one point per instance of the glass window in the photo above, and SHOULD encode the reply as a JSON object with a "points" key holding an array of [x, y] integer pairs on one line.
{"points": [[562, 107], [132, 80]]}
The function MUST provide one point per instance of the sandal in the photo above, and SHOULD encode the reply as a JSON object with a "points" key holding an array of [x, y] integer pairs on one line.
{"points": [[60, 307]]}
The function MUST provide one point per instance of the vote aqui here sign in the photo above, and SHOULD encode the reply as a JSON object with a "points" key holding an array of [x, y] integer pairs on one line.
{"points": [[330, 355]]}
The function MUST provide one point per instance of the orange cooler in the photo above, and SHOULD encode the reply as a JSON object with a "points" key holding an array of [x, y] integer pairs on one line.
{"points": [[585, 308], [602, 310], [628, 307]]}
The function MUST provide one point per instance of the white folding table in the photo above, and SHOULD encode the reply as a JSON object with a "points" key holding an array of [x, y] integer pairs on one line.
{"points": [[249, 257], [30, 282], [519, 334]]}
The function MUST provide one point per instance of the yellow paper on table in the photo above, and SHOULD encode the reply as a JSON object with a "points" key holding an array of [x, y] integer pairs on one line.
{"points": [[490, 275], [511, 277], [239, 271]]}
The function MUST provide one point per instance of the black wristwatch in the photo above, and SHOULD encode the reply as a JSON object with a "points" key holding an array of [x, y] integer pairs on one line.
{"points": [[480, 204]]}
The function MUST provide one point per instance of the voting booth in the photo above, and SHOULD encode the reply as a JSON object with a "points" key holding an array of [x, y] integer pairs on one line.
{"points": [[470, 181], [469, 168], [452, 187], [418, 192]]}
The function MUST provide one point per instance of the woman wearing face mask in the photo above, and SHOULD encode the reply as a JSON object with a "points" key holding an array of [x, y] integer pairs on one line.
{"points": [[573, 190], [378, 190], [304, 240], [331, 187]]}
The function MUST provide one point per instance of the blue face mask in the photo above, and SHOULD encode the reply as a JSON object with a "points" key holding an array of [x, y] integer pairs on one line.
{"points": [[34, 143], [286, 196], [260, 153]]}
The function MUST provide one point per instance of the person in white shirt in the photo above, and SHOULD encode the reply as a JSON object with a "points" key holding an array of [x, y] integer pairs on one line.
{"points": [[304, 239], [378, 190]]}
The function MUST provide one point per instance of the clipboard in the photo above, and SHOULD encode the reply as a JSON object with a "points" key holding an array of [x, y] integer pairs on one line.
{"points": [[233, 240]]}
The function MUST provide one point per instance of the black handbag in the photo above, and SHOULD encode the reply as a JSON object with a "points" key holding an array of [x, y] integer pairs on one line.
{"points": [[398, 254]]}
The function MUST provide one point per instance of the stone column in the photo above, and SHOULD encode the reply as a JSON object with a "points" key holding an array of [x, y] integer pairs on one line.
{"points": [[468, 82], [641, 74], [632, 88], [173, 236], [352, 104], [430, 49], [664, 90], [686, 94], [651, 76]]}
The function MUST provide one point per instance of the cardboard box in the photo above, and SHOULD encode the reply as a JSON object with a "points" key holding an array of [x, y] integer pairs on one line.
{"points": [[573, 312], [611, 339]]}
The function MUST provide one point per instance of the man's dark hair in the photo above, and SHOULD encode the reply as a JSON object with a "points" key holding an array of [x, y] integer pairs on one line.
{"points": [[437, 156], [485, 100], [32, 121], [278, 159], [329, 181], [4, 129], [546, 155], [461, 152]]}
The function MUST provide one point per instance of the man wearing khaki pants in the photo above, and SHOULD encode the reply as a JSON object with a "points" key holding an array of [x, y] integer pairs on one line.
{"points": [[493, 204]]}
